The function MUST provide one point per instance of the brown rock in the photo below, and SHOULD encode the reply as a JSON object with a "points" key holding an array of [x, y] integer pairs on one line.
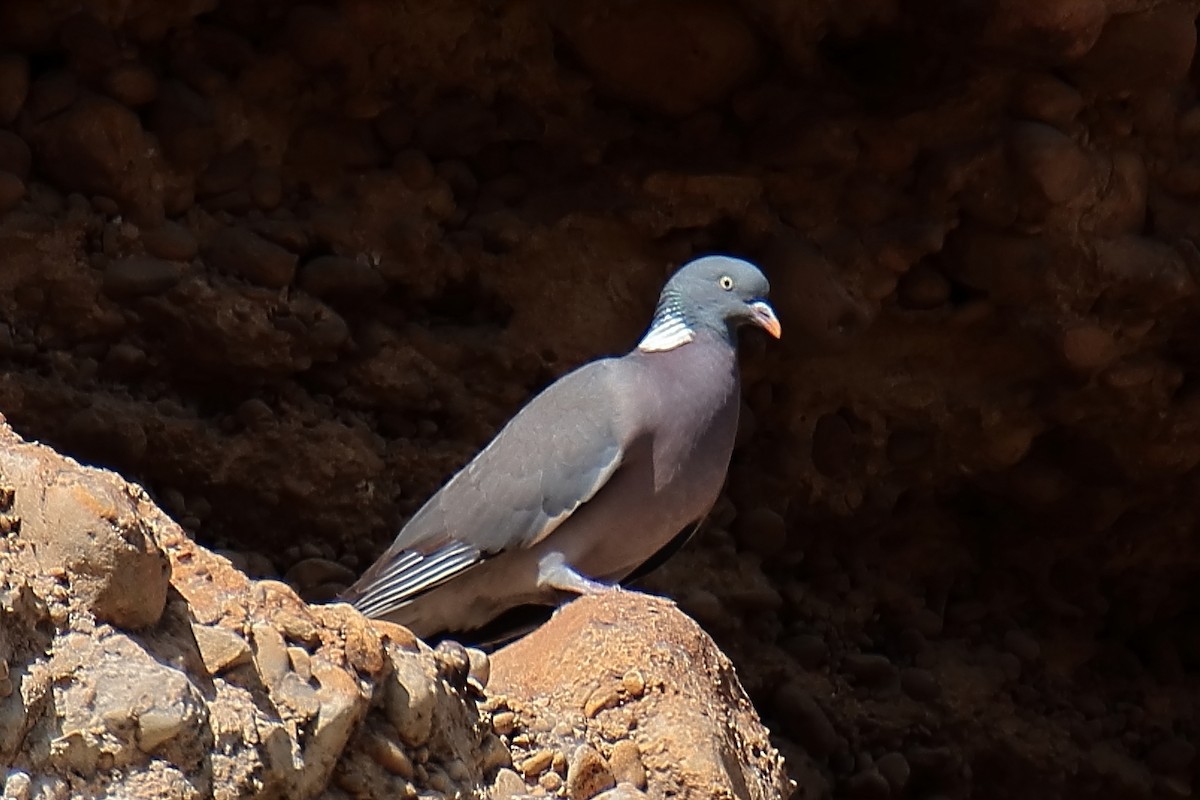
{"points": [[1146, 48], [331, 276], [85, 521], [171, 241], [1050, 162], [1088, 348], [138, 275], [133, 84], [686, 735], [1052, 31], [15, 155], [588, 774], [626, 763], [1047, 99], [248, 255], [12, 191], [98, 147], [14, 86], [670, 56]]}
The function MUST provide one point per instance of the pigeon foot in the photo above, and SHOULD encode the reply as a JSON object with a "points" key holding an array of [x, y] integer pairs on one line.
{"points": [[555, 573]]}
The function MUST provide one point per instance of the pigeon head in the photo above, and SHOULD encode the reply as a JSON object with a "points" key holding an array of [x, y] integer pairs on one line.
{"points": [[715, 293]]}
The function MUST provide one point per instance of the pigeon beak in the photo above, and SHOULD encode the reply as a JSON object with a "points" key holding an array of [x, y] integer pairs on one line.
{"points": [[764, 317]]}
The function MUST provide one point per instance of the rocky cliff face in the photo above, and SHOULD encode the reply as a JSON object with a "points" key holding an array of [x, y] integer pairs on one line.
{"points": [[288, 266]]}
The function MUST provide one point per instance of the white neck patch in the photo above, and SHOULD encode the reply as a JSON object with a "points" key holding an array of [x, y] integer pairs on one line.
{"points": [[668, 330]]}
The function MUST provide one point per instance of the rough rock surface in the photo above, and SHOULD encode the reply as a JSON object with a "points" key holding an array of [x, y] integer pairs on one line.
{"points": [[183, 678], [636, 694], [289, 265]]}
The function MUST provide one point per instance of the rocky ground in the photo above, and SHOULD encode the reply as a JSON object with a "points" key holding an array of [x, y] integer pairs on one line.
{"points": [[288, 266]]}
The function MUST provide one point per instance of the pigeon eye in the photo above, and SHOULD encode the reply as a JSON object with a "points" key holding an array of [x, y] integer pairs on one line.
{"points": [[726, 282]]}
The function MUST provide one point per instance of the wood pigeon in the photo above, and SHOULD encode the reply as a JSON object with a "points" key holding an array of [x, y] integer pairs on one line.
{"points": [[590, 480]]}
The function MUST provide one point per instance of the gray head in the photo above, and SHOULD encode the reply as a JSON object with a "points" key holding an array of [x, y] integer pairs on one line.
{"points": [[715, 293]]}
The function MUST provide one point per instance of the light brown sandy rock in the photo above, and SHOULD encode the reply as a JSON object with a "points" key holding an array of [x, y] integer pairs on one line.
{"points": [[697, 733]]}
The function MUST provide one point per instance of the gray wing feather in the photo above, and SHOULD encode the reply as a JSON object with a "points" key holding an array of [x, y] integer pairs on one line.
{"points": [[549, 460]]}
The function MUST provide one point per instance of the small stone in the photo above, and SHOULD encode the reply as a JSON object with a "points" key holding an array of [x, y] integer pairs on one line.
{"points": [[480, 671], [626, 763], [315, 571], [133, 84], [414, 168], [1047, 99], [504, 723], [536, 764], [868, 785], [229, 171], [248, 255], [1022, 645], [551, 782], [1144, 49], [1088, 348], [807, 721], [157, 726], [761, 530], [12, 191], [922, 288], [602, 697], [809, 650], [622, 791], [508, 785], [1050, 161], [869, 668], [17, 785], [388, 754], [14, 86], [220, 648], [453, 662], [137, 276], [171, 241], [1174, 755], [15, 155], [634, 683], [895, 769], [588, 774], [919, 684], [327, 276]]}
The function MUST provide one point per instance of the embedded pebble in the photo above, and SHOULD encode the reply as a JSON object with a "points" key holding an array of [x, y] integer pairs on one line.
{"points": [[12, 191], [504, 723], [761, 530], [869, 668], [507, 785], [248, 255], [454, 663], [1022, 645], [895, 769], [15, 155], [140, 275], [171, 241], [868, 785], [132, 84], [634, 683], [807, 721], [389, 755], [481, 668], [588, 774], [14, 86], [327, 276], [536, 764], [919, 684], [1088, 347], [923, 287], [626, 763], [1051, 161]]}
